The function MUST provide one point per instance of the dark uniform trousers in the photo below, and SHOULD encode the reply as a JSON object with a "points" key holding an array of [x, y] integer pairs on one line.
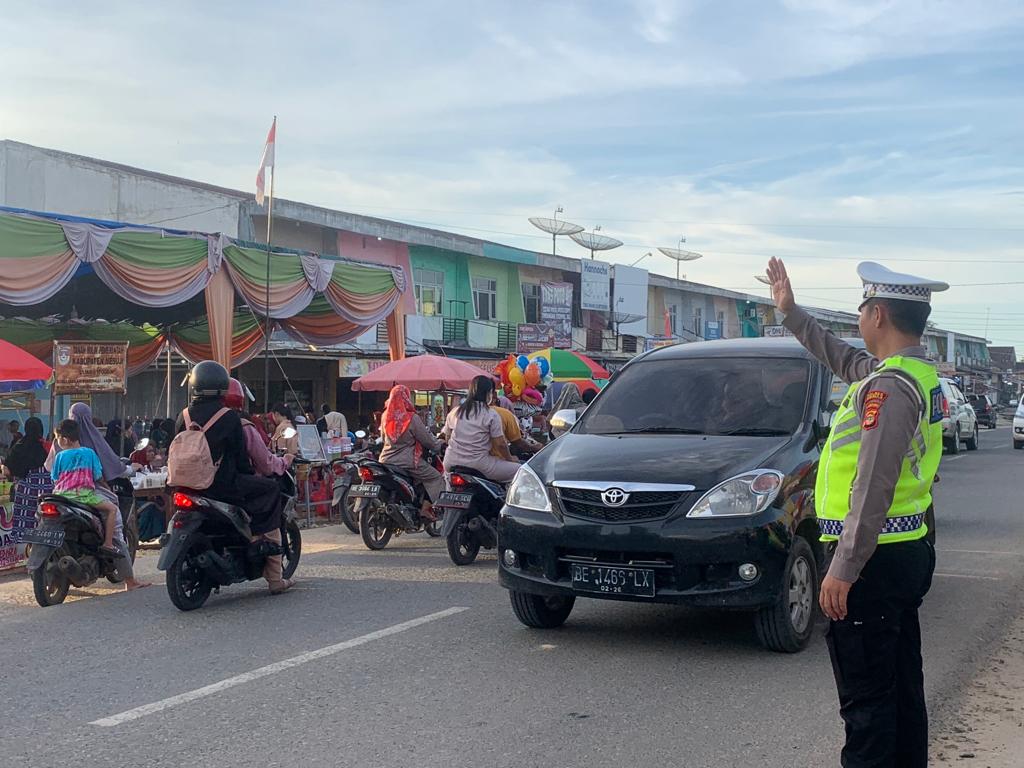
{"points": [[876, 659]]}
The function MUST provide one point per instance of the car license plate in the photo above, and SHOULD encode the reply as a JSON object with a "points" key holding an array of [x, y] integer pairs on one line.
{"points": [[455, 500], [364, 491], [611, 580], [47, 537]]}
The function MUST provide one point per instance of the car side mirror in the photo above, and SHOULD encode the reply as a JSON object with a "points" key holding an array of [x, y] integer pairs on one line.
{"points": [[563, 421]]}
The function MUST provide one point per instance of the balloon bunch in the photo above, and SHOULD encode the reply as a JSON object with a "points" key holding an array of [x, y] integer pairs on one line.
{"points": [[520, 376]]}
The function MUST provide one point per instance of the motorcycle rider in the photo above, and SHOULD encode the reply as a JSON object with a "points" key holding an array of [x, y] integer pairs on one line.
{"points": [[235, 483], [473, 429], [405, 438], [263, 462]]}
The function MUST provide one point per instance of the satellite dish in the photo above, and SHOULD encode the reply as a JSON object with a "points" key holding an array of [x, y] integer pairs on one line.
{"points": [[595, 242], [620, 318], [554, 227], [680, 255]]}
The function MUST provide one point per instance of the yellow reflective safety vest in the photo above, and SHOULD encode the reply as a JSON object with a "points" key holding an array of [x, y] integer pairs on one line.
{"points": [[837, 468]]}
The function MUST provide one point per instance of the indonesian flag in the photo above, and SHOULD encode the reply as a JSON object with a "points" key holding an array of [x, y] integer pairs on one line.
{"points": [[267, 161]]}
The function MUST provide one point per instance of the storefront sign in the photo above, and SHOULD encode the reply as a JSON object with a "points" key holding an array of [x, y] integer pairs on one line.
{"points": [[90, 366], [354, 367], [533, 337], [654, 342], [595, 282], [712, 330], [556, 311]]}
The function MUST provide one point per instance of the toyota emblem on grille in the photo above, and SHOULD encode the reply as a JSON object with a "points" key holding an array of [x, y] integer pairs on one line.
{"points": [[615, 497]]}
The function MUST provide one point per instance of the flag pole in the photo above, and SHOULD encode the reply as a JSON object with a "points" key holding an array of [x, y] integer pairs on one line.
{"points": [[266, 325]]}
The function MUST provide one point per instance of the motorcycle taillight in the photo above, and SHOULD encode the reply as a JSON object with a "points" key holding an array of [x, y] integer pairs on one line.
{"points": [[366, 474], [48, 509], [458, 481], [182, 501]]}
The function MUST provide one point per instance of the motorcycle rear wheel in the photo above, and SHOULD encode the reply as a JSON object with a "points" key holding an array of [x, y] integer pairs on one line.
{"points": [[347, 511], [291, 560], [187, 585], [463, 546], [374, 525], [49, 585]]}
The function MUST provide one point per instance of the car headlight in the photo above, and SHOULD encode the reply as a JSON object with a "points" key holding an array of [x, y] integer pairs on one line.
{"points": [[528, 492], [740, 496]]}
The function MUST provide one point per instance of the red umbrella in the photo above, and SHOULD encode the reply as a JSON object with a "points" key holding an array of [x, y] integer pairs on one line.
{"points": [[18, 365], [424, 372]]}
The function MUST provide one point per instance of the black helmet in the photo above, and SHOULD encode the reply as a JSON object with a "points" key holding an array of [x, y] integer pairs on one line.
{"points": [[209, 379]]}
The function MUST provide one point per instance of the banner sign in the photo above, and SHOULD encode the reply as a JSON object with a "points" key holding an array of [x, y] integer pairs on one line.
{"points": [[712, 330], [556, 311], [354, 367], [595, 284], [90, 366], [533, 337]]}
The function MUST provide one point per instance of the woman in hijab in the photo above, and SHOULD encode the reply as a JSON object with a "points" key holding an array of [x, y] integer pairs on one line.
{"points": [[113, 436], [405, 437], [25, 464]]}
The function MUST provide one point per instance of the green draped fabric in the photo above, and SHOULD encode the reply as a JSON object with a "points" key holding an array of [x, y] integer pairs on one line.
{"points": [[251, 264], [25, 238], [151, 251], [363, 280]]}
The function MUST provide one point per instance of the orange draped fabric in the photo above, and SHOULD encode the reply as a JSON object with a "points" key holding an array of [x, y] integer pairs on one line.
{"points": [[220, 313], [396, 333]]}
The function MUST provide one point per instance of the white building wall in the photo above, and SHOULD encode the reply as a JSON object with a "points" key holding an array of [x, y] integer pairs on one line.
{"points": [[56, 182]]}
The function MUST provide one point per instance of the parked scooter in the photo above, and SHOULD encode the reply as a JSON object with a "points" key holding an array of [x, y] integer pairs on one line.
{"points": [[471, 510], [210, 545], [389, 502], [65, 545], [346, 474]]}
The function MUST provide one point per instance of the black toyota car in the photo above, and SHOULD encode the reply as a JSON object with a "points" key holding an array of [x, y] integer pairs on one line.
{"points": [[690, 479]]}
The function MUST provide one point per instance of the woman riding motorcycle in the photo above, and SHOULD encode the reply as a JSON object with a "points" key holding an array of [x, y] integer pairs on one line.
{"points": [[235, 483], [405, 438], [473, 429]]}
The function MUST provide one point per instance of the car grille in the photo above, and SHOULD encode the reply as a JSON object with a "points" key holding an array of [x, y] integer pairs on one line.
{"points": [[642, 505]]}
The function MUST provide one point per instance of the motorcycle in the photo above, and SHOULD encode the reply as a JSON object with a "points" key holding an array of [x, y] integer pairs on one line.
{"points": [[471, 510], [346, 473], [388, 503], [65, 545], [209, 545]]}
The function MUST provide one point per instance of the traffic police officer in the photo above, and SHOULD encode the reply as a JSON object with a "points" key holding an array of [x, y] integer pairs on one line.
{"points": [[873, 490]]}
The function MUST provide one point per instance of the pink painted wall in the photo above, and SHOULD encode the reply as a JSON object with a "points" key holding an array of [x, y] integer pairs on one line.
{"points": [[367, 248]]}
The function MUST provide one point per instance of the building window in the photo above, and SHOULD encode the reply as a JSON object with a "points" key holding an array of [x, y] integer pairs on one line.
{"points": [[531, 302], [673, 312], [698, 321], [429, 288], [485, 298]]}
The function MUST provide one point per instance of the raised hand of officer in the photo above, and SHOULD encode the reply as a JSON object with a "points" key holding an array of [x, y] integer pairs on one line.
{"points": [[832, 597], [782, 289]]}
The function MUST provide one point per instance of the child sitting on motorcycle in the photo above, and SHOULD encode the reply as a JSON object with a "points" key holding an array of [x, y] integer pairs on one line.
{"points": [[76, 470]]}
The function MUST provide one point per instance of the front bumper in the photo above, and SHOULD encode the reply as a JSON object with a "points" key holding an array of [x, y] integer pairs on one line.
{"points": [[696, 562]]}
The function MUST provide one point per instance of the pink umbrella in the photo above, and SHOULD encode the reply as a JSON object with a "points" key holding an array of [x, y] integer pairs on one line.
{"points": [[423, 372]]}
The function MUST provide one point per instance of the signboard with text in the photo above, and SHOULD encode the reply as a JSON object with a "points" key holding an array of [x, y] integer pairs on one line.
{"points": [[712, 330], [595, 285], [556, 312], [533, 337], [90, 366]]}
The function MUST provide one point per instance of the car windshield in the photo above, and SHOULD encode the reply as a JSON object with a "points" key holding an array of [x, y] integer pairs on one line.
{"points": [[703, 395]]}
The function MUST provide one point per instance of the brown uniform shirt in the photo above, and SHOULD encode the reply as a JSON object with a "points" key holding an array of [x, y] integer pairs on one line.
{"points": [[890, 413]]}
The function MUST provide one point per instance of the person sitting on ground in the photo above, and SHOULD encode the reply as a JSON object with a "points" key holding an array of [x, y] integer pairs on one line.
{"points": [[235, 483], [76, 470], [281, 416], [472, 430], [405, 438]]}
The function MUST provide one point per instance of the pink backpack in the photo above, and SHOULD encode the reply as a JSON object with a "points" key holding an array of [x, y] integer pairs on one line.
{"points": [[189, 463]]}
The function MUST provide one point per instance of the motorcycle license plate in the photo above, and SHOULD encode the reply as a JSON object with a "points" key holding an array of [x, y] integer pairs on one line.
{"points": [[455, 500], [610, 580], [364, 491], [47, 537]]}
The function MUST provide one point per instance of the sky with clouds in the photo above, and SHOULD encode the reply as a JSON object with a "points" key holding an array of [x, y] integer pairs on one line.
{"points": [[821, 131]]}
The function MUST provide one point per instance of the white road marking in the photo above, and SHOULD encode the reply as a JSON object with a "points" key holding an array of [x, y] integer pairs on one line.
{"points": [[968, 576], [271, 669]]}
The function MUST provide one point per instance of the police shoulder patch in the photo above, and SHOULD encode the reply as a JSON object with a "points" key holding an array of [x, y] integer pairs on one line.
{"points": [[936, 399], [872, 405]]}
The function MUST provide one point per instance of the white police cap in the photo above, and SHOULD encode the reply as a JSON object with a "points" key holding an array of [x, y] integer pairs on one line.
{"points": [[882, 283]]}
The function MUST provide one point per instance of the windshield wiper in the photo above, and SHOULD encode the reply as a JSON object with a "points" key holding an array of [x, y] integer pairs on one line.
{"points": [[661, 430], [758, 432]]}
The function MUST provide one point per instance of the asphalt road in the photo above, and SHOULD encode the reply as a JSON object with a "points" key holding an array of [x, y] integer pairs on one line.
{"points": [[401, 659]]}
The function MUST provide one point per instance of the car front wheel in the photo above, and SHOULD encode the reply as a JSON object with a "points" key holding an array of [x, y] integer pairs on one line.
{"points": [[786, 626], [540, 612]]}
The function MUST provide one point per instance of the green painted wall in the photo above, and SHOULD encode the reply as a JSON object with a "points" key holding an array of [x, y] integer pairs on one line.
{"points": [[509, 299], [456, 275]]}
